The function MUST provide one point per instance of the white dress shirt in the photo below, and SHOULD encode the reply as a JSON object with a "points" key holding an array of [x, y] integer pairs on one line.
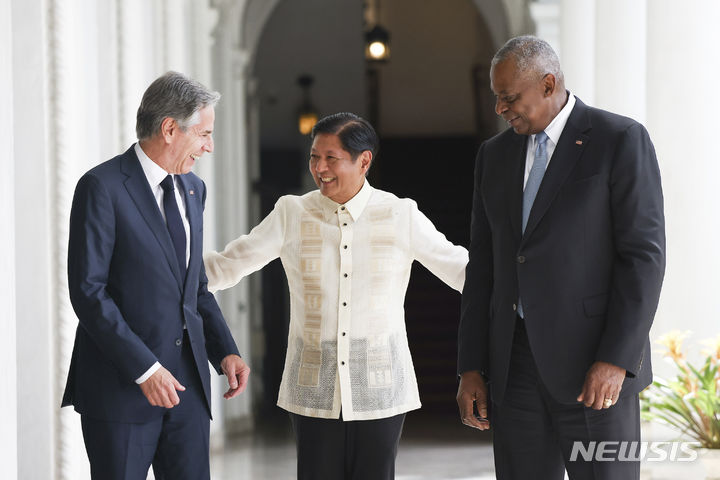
{"points": [[553, 131], [348, 268], [155, 174]]}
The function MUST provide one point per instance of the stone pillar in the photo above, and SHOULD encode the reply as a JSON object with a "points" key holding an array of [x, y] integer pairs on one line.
{"points": [[8, 360], [546, 16], [620, 57], [33, 243], [682, 73], [577, 47], [232, 188]]}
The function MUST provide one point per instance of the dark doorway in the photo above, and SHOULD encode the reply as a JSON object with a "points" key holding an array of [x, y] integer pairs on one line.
{"points": [[438, 174]]}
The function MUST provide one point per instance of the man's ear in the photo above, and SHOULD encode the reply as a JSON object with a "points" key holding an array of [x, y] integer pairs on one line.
{"points": [[549, 83], [365, 160], [168, 129]]}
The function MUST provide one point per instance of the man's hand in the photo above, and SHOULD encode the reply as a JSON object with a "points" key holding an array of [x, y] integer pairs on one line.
{"points": [[472, 388], [160, 388], [237, 373], [603, 381]]}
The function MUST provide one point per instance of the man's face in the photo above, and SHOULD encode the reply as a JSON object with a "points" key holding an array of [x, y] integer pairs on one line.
{"points": [[189, 145], [522, 100], [333, 169]]}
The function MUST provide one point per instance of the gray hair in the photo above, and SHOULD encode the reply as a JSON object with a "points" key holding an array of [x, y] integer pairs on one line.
{"points": [[175, 96], [531, 55]]}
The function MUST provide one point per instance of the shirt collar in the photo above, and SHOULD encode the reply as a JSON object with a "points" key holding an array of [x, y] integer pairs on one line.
{"points": [[355, 206], [554, 130], [153, 172]]}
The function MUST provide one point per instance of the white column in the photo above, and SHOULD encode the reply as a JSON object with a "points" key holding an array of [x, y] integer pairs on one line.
{"points": [[8, 361], [231, 191], [681, 117], [620, 53], [141, 57], [577, 47], [546, 17], [201, 20], [66, 102], [36, 402]]}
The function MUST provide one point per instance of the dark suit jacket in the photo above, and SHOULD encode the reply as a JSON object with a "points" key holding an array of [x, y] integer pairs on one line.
{"points": [[126, 290], [589, 266]]}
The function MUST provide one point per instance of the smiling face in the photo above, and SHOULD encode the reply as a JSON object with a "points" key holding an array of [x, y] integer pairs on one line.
{"points": [[337, 175], [185, 147], [524, 100]]}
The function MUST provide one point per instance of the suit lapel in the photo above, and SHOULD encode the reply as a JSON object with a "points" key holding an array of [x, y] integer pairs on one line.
{"points": [[571, 144], [514, 181], [137, 186]]}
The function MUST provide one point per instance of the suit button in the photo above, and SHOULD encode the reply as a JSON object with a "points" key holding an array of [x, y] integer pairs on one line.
{"points": [[514, 308], [520, 259], [178, 342]]}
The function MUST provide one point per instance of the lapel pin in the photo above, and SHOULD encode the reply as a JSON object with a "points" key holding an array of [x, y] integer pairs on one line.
{"points": [[578, 142], [192, 192]]}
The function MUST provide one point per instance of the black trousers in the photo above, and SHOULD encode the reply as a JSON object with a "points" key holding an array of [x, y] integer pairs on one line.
{"points": [[176, 443], [534, 435], [331, 449]]}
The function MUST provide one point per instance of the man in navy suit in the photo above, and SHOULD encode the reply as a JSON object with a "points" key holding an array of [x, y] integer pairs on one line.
{"points": [[567, 258], [139, 373]]}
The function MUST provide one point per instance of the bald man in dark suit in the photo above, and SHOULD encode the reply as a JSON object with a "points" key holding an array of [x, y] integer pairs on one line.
{"points": [[567, 259]]}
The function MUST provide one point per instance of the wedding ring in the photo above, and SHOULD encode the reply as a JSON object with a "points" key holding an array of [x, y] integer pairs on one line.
{"points": [[607, 403]]}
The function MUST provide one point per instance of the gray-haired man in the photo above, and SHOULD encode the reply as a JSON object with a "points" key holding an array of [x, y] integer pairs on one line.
{"points": [[567, 257], [139, 375]]}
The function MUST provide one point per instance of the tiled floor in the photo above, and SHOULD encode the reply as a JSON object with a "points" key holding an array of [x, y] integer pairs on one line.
{"points": [[431, 448]]}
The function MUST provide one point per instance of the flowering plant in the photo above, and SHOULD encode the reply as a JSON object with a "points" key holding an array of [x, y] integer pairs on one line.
{"points": [[691, 402]]}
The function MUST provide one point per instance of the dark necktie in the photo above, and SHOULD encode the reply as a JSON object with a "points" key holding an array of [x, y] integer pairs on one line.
{"points": [[174, 222]]}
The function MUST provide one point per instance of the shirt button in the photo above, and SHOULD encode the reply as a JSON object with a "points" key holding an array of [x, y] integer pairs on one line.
{"points": [[514, 308], [342, 363], [343, 334], [342, 208], [345, 275], [344, 224], [178, 341], [345, 247], [520, 259], [344, 304]]}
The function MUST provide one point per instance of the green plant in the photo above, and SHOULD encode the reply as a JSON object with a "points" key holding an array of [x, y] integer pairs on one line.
{"points": [[691, 402]]}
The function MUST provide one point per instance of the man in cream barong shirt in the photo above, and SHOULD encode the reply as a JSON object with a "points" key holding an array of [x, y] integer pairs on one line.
{"points": [[347, 250]]}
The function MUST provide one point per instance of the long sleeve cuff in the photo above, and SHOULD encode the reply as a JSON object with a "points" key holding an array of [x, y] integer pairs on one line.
{"points": [[148, 373]]}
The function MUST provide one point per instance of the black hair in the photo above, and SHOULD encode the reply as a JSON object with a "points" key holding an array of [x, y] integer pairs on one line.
{"points": [[355, 133]]}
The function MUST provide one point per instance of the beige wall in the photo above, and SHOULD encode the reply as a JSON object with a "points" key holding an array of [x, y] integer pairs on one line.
{"points": [[426, 87]]}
